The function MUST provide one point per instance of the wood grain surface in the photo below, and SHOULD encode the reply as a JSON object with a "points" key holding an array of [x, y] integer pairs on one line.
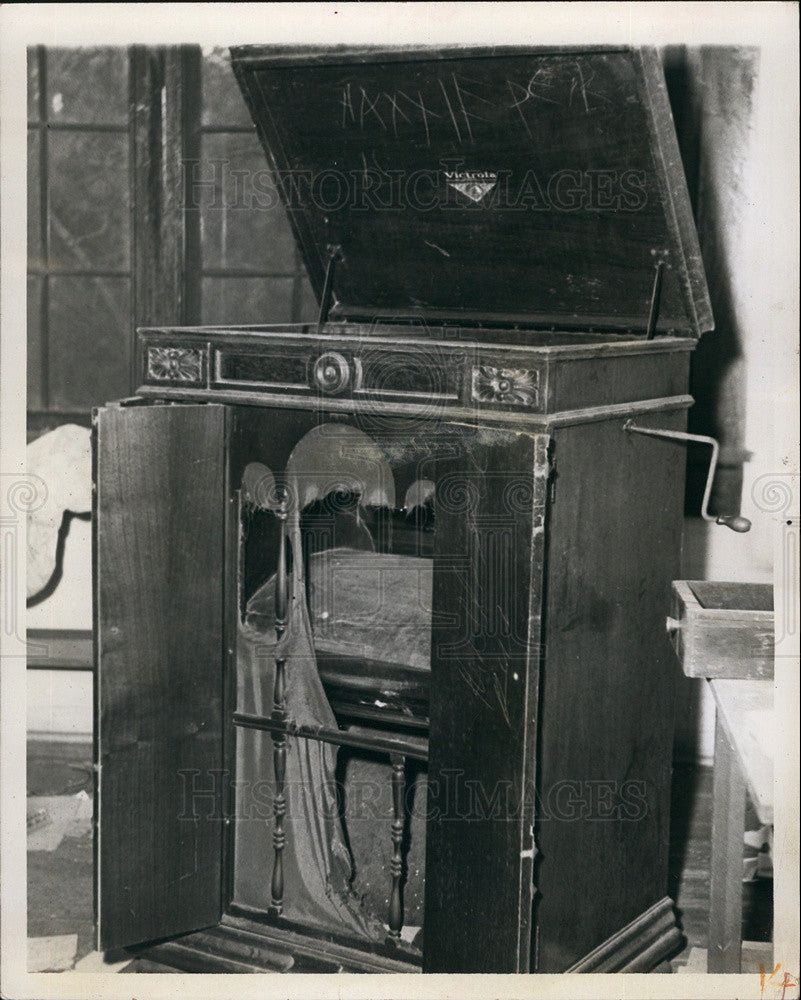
{"points": [[159, 605], [606, 724], [487, 592]]}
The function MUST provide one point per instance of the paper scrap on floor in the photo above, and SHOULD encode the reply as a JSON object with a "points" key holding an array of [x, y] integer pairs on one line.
{"points": [[70, 816], [52, 954]]}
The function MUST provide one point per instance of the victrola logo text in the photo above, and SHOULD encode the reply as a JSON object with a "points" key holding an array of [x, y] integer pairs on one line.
{"points": [[473, 184], [471, 175]]}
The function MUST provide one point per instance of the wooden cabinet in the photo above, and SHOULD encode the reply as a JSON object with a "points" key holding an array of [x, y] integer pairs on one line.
{"points": [[414, 571]]}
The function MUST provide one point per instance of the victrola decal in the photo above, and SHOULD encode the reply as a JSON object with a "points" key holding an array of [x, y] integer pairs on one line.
{"points": [[473, 184]]}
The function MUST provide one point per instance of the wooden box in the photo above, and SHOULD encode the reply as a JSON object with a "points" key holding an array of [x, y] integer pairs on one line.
{"points": [[509, 273], [723, 629]]}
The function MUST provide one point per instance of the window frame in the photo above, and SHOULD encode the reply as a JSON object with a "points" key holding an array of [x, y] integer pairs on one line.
{"points": [[164, 129]]}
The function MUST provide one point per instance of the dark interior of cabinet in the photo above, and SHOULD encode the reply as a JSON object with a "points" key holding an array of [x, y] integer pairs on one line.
{"points": [[368, 571], [343, 546]]}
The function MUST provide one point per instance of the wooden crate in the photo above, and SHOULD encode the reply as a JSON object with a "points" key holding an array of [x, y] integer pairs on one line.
{"points": [[722, 629]]}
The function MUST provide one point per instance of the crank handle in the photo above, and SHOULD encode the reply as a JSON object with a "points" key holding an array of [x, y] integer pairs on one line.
{"points": [[734, 521]]}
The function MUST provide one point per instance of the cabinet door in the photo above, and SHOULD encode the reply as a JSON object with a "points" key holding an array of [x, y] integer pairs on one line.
{"points": [[158, 549], [487, 598]]}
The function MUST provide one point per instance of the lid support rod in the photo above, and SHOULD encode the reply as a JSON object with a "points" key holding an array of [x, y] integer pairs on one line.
{"points": [[656, 295], [334, 257]]}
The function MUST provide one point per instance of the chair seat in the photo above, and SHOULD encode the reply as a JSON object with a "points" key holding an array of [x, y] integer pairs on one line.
{"points": [[370, 615]]}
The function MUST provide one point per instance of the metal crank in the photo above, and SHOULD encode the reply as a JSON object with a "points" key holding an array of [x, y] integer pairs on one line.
{"points": [[734, 521]]}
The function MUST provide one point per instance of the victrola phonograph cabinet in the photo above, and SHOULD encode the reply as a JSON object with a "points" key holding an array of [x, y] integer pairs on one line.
{"points": [[383, 680]]}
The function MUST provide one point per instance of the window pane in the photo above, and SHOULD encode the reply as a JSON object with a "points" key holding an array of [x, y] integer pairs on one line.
{"points": [[35, 343], [243, 224], [246, 300], [87, 85], [35, 250], [33, 84], [89, 339], [223, 103], [89, 218]]}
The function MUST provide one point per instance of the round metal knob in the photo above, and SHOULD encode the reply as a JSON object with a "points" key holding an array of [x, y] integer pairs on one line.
{"points": [[331, 372]]}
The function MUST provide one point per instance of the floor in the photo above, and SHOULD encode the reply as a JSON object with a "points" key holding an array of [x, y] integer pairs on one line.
{"points": [[60, 857], [689, 864], [60, 909]]}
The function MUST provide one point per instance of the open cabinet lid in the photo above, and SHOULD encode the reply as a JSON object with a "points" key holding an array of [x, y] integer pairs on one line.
{"points": [[503, 186]]}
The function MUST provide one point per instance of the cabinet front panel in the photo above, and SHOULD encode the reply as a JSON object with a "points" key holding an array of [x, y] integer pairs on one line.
{"points": [[484, 694]]}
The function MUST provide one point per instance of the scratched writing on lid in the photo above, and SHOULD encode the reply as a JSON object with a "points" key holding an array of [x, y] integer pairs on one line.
{"points": [[463, 106]]}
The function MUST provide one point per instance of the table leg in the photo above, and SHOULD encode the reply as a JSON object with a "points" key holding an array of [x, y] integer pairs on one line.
{"points": [[726, 883]]}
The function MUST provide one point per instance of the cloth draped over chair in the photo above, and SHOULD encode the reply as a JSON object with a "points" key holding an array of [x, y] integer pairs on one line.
{"points": [[319, 887]]}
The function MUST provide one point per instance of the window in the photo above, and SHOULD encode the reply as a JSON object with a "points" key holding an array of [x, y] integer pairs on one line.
{"points": [[250, 269], [79, 232], [102, 209]]}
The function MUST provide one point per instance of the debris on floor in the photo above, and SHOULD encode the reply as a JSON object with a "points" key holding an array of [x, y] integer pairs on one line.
{"points": [[759, 864], [60, 782], [52, 954], [37, 818], [64, 816]]}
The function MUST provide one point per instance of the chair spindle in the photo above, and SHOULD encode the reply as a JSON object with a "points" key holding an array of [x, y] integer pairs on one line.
{"points": [[279, 716], [395, 921]]}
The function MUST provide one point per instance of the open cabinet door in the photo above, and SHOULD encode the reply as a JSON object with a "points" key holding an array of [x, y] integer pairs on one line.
{"points": [[158, 552]]}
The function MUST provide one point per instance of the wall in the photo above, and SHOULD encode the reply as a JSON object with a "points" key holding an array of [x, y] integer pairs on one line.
{"points": [[60, 701], [744, 369]]}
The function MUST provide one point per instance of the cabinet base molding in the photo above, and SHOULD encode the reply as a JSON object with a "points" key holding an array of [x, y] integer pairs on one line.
{"points": [[640, 946], [238, 945]]}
